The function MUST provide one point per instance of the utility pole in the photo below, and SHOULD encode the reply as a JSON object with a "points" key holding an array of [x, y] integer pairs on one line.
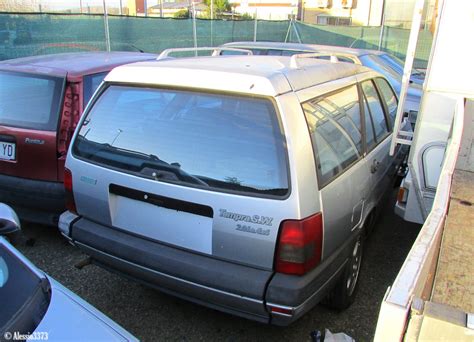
{"points": [[302, 10], [255, 24], [382, 25], [194, 28], [370, 11], [106, 28], [212, 18]]}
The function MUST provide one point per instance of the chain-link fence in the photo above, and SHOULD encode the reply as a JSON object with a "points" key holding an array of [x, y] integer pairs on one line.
{"points": [[23, 34], [390, 39]]}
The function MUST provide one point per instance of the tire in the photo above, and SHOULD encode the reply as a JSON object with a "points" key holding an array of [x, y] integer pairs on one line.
{"points": [[369, 224], [343, 294], [13, 238]]}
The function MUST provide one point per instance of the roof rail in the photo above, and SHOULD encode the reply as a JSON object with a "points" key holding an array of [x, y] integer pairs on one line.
{"points": [[333, 57], [215, 51]]}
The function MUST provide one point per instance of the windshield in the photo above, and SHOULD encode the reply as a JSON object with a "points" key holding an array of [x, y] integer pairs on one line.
{"points": [[215, 141], [23, 295], [393, 62], [397, 64], [29, 101], [378, 64]]}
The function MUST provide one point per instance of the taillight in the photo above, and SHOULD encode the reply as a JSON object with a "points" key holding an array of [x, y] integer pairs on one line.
{"points": [[299, 245], [280, 310], [402, 195], [72, 107], [69, 196]]}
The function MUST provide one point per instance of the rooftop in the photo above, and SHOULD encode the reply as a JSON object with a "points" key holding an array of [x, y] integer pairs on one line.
{"points": [[73, 64], [304, 47], [264, 75]]}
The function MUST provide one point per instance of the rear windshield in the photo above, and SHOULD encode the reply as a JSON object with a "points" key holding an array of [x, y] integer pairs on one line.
{"points": [[23, 295], [215, 141], [392, 61], [29, 101]]}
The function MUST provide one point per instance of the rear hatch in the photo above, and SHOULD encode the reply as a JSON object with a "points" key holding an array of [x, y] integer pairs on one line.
{"points": [[204, 172], [29, 109]]}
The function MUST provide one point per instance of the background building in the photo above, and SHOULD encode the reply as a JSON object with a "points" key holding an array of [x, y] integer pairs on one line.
{"points": [[266, 9], [398, 13]]}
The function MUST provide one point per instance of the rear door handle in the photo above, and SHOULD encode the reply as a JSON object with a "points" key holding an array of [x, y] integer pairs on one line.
{"points": [[375, 165]]}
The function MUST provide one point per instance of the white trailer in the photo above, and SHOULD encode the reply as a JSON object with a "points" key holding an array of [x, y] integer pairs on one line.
{"points": [[433, 294], [449, 79]]}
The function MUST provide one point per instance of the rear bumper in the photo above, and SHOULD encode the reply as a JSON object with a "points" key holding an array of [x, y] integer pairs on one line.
{"points": [[34, 201], [236, 289]]}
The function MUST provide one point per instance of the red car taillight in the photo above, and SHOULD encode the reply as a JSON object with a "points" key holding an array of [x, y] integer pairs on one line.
{"points": [[71, 112], [299, 245], [70, 204]]}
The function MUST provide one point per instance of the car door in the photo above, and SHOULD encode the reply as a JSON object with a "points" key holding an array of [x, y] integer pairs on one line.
{"points": [[377, 134], [335, 125]]}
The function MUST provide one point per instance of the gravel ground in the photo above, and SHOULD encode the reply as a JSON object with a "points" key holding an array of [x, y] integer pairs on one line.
{"points": [[151, 315]]}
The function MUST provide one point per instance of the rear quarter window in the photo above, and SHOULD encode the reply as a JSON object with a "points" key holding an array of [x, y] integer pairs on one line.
{"points": [[91, 83], [214, 141], [334, 123]]}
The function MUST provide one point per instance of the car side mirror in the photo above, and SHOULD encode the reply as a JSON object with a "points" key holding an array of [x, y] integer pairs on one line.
{"points": [[9, 221]]}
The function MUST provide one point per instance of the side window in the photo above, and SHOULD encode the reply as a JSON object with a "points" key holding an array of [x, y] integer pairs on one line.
{"points": [[345, 59], [290, 52], [91, 83], [369, 128], [339, 58], [334, 123], [273, 52], [389, 96], [375, 109]]}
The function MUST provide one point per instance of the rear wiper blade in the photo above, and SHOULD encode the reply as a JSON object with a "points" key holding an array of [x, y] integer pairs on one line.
{"points": [[135, 153], [161, 170], [158, 169]]}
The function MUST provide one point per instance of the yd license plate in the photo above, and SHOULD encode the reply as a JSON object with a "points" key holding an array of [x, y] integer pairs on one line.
{"points": [[7, 151]]}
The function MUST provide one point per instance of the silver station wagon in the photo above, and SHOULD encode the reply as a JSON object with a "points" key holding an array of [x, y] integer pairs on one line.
{"points": [[242, 183], [386, 64]]}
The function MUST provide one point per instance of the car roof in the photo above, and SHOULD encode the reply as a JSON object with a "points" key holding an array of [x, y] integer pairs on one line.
{"points": [[259, 75], [304, 47], [73, 64]]}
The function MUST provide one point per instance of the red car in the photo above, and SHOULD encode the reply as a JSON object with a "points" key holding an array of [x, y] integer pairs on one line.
{"points": [[41, 100]]}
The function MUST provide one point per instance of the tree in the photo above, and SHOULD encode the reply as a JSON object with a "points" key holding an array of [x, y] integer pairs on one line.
{"points": [[220, 6], [183, 14]]}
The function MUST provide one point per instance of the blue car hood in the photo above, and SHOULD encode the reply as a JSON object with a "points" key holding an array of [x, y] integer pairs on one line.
{"points": [[71, 318], [415, 90]]}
